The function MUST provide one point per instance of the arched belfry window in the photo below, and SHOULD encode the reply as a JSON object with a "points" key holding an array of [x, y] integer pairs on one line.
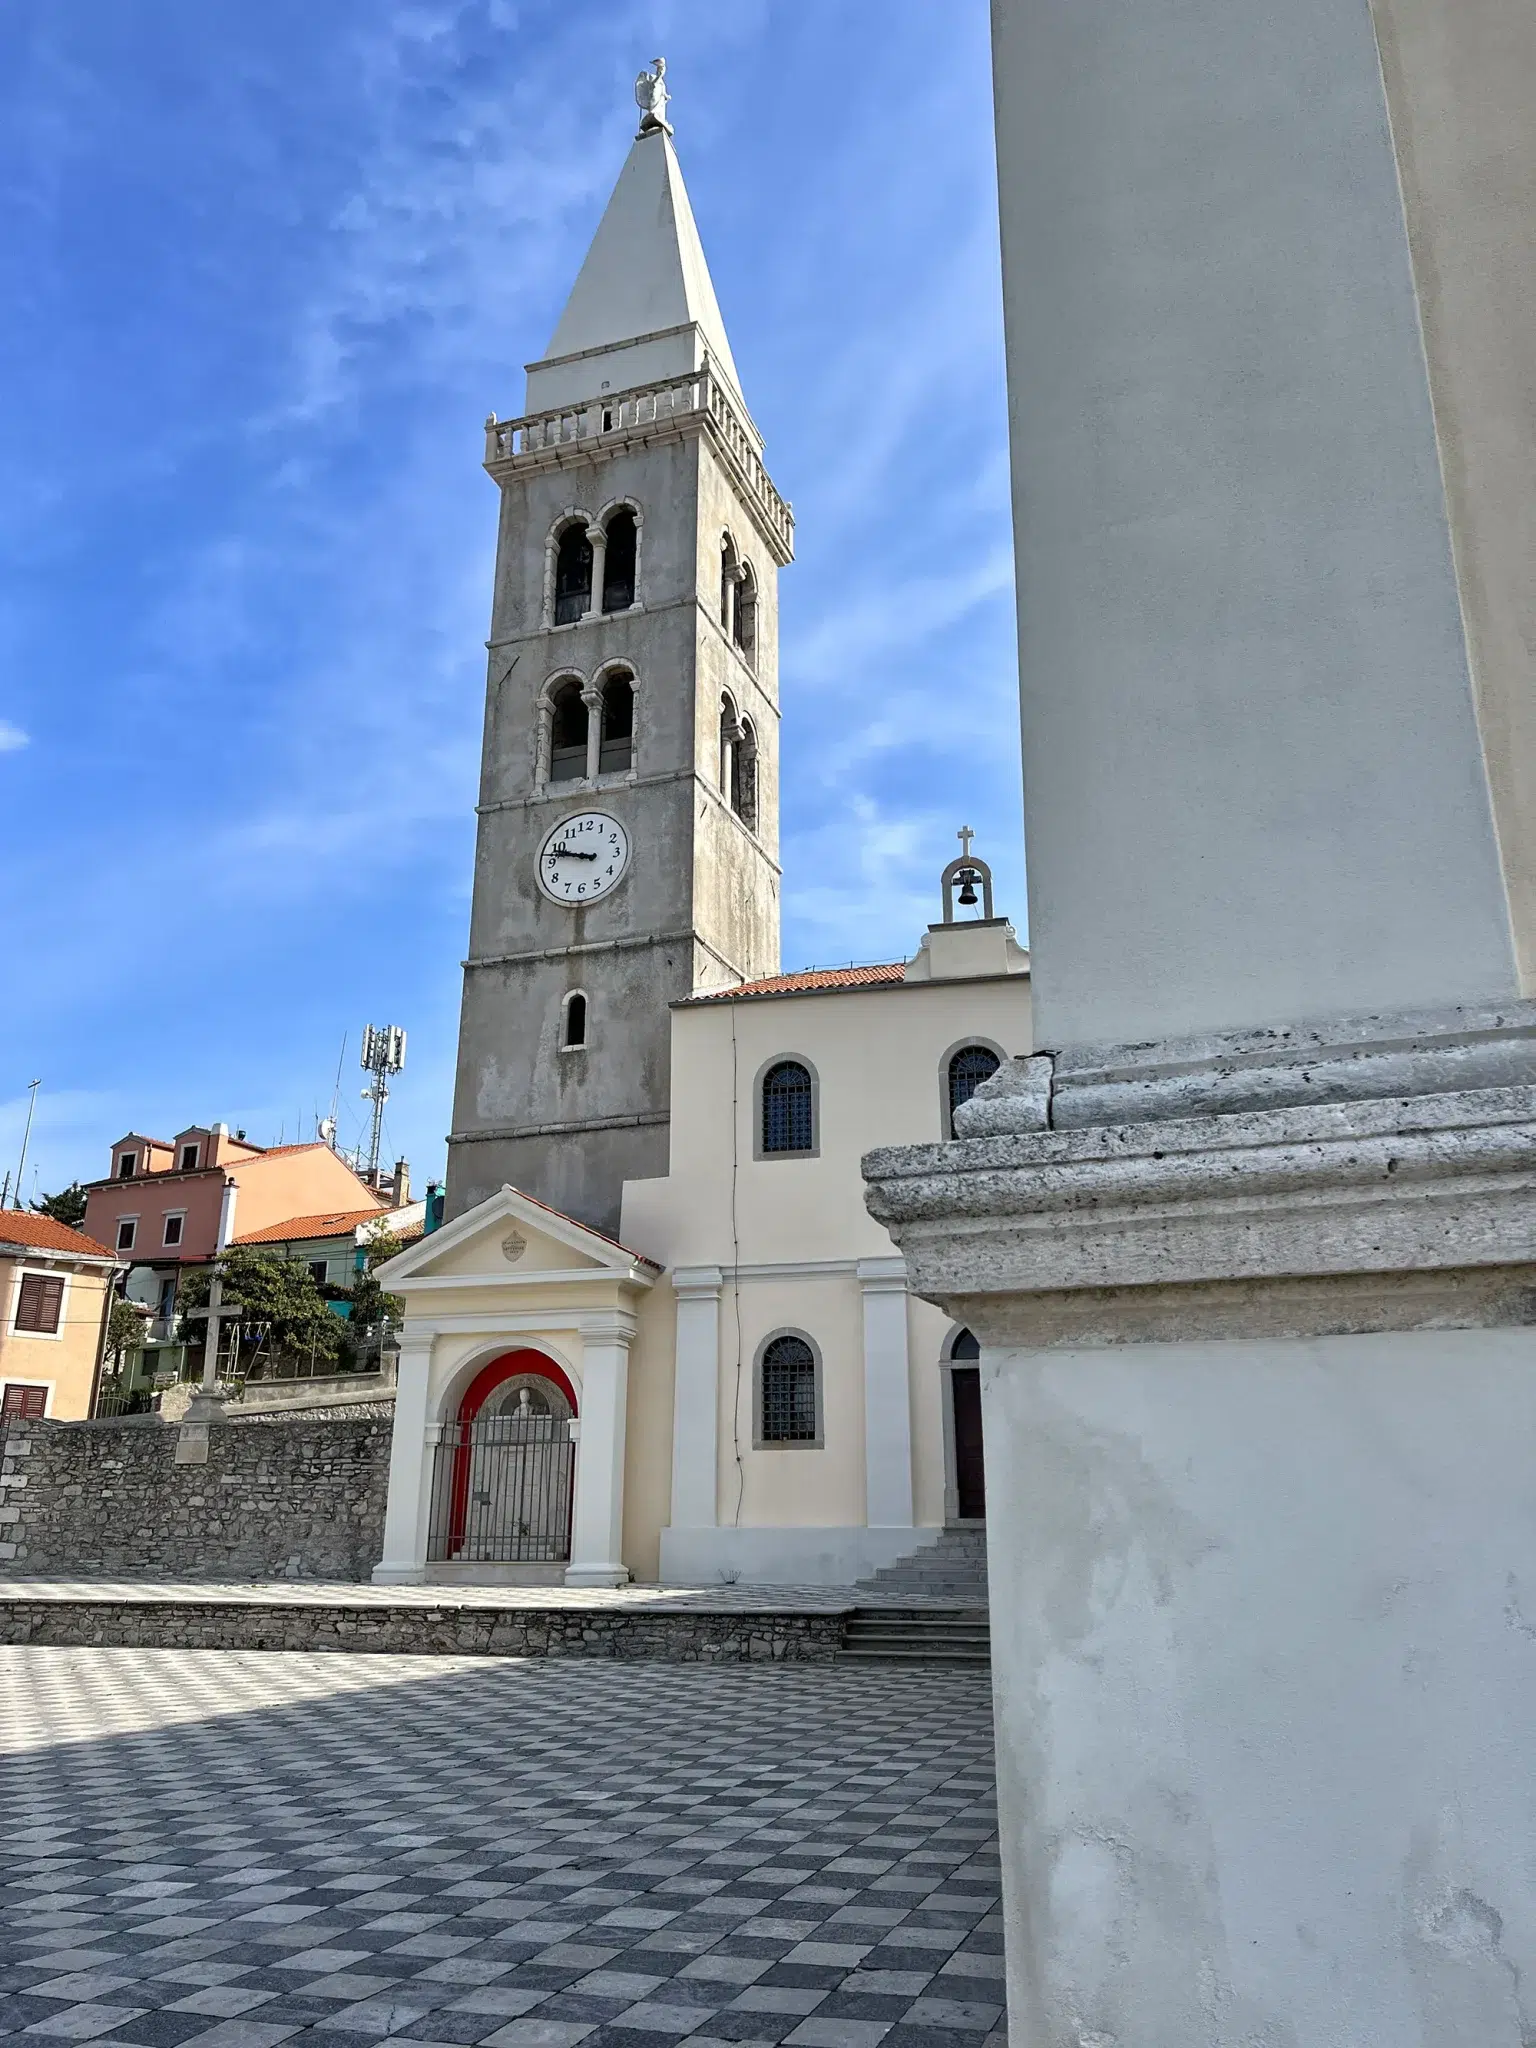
{"points": [[619, 561], [573, 1025], [730, 734], [567, 733], [744, 622], [573, 574], [789, 1403], [743, 783], [616, 749], [730, 576], [787, 1110], [968, 1068]]}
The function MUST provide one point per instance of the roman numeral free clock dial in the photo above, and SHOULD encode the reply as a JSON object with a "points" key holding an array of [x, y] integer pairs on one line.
{"points": [[583, 857]]}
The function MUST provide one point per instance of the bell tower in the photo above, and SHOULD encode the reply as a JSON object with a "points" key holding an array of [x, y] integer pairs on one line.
{"points": [[628, 818]]}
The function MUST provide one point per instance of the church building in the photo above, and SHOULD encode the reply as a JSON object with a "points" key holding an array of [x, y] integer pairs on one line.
{"points": [[658, 1335]]}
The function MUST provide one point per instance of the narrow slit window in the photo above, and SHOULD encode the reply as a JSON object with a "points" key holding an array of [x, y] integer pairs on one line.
{"points": [[567, 734], [619, 562], [616, 752], [573, 575], [575, 1034]]}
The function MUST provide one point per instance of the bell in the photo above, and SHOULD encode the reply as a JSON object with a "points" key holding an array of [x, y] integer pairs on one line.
{"points": [[967, 885]]}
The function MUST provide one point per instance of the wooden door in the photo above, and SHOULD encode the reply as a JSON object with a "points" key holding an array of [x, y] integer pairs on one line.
{"points": [[970, 1475]]}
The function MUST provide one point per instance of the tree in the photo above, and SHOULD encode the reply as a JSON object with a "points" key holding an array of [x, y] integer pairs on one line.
{"points": [[374, 1313], [273, 1302], [67, 1206], [125, 1328]]}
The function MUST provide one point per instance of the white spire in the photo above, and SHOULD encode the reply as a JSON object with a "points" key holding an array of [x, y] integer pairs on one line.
{"points": [[643, 307]]}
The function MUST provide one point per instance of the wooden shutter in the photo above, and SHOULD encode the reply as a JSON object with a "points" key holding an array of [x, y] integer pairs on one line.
{"points": [[41, 1298], [24, 1404]]}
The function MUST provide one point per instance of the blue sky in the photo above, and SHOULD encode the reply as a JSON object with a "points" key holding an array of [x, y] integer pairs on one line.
{"points": [[266, 269]]}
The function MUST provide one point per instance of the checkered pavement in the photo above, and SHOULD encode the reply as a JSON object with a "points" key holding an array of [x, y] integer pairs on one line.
{"points": [[238, 1849]]}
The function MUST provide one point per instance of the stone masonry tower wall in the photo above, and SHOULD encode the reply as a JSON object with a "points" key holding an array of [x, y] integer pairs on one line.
{"points": [[698, 904]]}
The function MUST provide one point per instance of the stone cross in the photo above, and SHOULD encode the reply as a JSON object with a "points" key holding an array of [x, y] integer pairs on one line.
{"points": [[965, 835]]}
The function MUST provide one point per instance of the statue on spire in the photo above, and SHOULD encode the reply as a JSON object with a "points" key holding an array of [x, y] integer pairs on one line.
{"points": [[651, 97]]}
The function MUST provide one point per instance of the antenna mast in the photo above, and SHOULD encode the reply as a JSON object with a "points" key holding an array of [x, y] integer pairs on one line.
{"points": [[383, 1055]]}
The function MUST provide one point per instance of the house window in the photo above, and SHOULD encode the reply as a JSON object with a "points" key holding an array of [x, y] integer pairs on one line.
{"points": [[190, 1155], [24, 1404], [39, 1303], [173, 1227], [619, 562], [127, 1231], [788, 1119], [568, 734], [127, 1165], [573, 575], [617, 746], [318, 1269], [788, 1405], [573, 1036], [969, 1067]]}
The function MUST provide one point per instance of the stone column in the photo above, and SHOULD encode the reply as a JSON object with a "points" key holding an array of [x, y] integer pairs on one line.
{"points": [[410, 1468], [597, 1524], [696, 1397], [1250, 1249], [592, 697], [887, 1395], [598, 537]]}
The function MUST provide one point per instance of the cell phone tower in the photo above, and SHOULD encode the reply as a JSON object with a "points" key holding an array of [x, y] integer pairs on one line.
{"points": [[383, 1055]]}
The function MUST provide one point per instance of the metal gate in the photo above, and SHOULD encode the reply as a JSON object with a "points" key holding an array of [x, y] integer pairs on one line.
{"points": [[501, 1490]]}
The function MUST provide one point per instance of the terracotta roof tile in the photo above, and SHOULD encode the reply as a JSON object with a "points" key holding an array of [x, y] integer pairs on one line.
{"points": [[814, 978], [329, 1223], [41, 1233]]}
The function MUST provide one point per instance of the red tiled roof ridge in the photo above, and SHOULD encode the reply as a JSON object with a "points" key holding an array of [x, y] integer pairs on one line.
{"points": [[45, 1234], [318, 1223], [876, 976]]}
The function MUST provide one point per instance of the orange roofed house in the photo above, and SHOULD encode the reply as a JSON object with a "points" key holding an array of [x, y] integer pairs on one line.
{"points": [[55, 1293], [170, 1204]]}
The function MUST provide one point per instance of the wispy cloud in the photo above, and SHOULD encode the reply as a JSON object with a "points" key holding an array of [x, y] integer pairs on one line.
{"points": [[12, 738]]}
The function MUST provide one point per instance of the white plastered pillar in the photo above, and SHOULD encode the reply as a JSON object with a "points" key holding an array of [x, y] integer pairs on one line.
{"points": [[597, 1525], [696, 1397], [887, 1395], [404, 1561]]}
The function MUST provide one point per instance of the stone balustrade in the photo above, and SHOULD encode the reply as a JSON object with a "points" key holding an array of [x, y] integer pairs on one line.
{"points": [[638, 414]]}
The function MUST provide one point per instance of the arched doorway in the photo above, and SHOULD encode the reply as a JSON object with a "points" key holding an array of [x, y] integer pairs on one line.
{"points": [[504, 1467], [967, 1481]]}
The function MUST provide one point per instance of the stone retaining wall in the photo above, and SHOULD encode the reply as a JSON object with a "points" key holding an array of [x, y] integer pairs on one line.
{"points": [[677, 1636], [290, 1498]]}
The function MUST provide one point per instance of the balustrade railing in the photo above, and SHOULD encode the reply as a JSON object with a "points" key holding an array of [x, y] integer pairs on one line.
{"points": [[537, 435]]}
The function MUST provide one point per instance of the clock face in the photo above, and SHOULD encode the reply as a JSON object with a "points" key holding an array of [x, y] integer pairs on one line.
{"points": [[583, 857]]}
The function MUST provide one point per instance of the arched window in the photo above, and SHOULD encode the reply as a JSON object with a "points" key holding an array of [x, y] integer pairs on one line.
{"points": [[617, 743], [965, 1347], [730, 573], [619, 561], [573, 574], [744, 775], [744, 624], [567, 734], [788, 1109], [573, 1034], [788, 1404], [970, 1066], [730, 733]]}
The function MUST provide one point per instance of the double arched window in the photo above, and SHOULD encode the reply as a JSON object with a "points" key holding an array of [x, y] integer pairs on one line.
{"points": [[590, 559], [591, 728], [968, 1068], [786, 1107], [738, 600], [738, 762], [788, 1391]]}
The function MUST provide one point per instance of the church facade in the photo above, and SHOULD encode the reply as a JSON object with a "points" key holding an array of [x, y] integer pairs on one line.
{"points": [[658, 1336]]}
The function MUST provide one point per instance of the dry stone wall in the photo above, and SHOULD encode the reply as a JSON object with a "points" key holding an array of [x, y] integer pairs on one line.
{"points": [[297, 1499]]}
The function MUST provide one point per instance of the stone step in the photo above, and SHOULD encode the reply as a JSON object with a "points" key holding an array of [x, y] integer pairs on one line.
{"points": [[918, 1635]]}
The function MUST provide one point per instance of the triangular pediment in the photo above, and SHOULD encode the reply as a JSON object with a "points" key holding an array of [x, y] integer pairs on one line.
{"points": [[511, 1237]]}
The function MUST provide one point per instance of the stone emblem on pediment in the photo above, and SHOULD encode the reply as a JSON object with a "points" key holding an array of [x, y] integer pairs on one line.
{"points": [[513, 1245]]}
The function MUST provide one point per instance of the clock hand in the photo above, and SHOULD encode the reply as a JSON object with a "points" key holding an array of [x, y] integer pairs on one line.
{"points": [[572, 853]]}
